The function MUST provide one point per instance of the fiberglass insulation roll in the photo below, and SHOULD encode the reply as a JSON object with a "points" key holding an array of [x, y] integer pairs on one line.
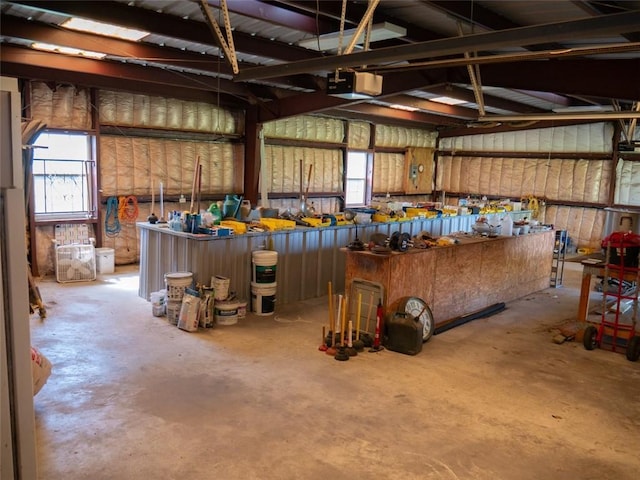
{"points": [[628, 183], [121, 108], [558, 179], [593, 137], [128, 164], [306, 127], [388, 172], [584, 225], [359, 134], [283, 167], [394, 136], [65, 106], [142, 111]]}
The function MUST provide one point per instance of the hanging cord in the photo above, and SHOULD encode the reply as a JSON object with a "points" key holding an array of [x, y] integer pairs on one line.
{"points": [[111, 222], [128, 209]]}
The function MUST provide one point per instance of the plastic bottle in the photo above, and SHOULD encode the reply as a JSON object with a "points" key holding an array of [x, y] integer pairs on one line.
{"points": [[215, 212], [506, 228]]}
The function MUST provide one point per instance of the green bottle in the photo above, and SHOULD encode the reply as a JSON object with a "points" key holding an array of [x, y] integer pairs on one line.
{"points": [[215, 211]]}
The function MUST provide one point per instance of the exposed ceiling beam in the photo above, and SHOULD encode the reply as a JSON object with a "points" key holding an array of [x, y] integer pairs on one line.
{"points": [[170, 26], [600, 7], [318, 101], [479, 128], [590, 27], [41, 32], [474, 14], [54, 66], [386, 112]]}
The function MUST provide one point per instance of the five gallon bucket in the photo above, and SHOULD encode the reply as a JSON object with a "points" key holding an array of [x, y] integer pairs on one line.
{"points": [[263, 298], [176, 284], [264, 266], [105, 260], [226, 313]]}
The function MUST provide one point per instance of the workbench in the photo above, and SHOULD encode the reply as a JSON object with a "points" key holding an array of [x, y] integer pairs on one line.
{"points": [[308, 258], [460, 279]]}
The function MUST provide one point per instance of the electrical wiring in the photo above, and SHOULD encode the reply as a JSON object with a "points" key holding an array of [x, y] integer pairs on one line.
{"points": [[112, 225]]}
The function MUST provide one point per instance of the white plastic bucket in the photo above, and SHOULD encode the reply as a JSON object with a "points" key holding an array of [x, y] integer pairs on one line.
{"points": [[157, 303], [226, 313], [264, 266], [176, 283], [220, 287], [105, 260], [263, 298]]}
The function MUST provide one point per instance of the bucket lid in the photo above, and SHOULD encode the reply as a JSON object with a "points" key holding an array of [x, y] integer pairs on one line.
{"points": [[226, 305], [177, 275]]}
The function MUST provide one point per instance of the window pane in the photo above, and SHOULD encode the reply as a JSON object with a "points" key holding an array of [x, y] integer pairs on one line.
{"points": [[62, 146], [357, 165], [62, 176], [355, 194]]}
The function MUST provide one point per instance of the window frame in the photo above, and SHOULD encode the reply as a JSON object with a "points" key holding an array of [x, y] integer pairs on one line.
{"points": [[89, 171], [368, 178]]}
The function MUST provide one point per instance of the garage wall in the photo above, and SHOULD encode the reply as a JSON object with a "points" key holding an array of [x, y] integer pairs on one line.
{"points": [[571, 180], [128, 163]]}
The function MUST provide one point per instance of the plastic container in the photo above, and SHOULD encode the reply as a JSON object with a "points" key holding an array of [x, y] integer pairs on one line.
{"points": [[105, 260], [157, 303], [176, 283], [263, 298], [264, 266], [226, 313], [216, 213]]}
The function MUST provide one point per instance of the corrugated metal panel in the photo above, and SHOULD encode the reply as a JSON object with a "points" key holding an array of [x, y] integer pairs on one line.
{"points": [[307, 258]]}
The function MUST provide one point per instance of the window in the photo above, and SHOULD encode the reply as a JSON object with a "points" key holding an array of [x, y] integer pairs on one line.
{"points": [[356, 187], [64, 176]]}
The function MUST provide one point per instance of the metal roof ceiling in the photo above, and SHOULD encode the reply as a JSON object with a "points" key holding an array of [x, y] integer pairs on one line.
{"points": [[278, 78]]}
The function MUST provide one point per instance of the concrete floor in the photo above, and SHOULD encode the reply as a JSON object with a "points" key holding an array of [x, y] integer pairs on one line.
{"points": [[132, 397]]}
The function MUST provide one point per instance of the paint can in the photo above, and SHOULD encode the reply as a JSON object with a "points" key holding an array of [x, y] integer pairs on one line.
{"points": [[226, 313], [264, 266], [220, 287], [176, 283], [263, 298]]}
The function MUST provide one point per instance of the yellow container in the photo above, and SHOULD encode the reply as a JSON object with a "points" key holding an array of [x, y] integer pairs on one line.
{"points": [[316, 222], [238, 227], [417, 212], [382, 217], [278, 224]]}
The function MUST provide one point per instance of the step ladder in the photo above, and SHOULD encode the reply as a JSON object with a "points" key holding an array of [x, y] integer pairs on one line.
{"points": [[559, 252]]}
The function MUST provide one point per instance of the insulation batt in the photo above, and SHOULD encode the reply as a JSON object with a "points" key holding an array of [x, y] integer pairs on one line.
{"points": [[592, 137]]}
